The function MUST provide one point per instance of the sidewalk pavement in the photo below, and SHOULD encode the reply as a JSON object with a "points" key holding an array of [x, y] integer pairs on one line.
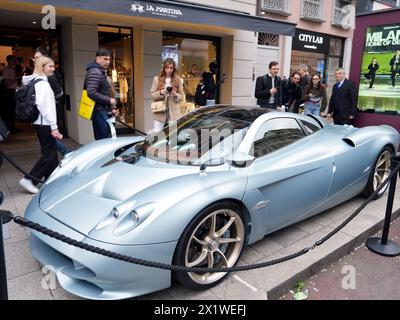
{"points": [[360, 275], [28, 280]]}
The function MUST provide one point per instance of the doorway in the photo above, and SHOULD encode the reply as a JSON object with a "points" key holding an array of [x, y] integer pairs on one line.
{"points": [[22, 43]]}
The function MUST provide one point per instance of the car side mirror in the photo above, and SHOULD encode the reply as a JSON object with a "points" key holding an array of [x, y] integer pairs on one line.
{"points": [[240, 159]]}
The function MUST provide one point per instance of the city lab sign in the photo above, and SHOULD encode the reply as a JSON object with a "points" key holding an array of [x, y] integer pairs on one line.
{"points": [[150, 9], [311, 41]]}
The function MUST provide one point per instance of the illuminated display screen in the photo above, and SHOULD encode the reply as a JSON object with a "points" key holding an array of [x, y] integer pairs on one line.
{"points": [[380, 70]]}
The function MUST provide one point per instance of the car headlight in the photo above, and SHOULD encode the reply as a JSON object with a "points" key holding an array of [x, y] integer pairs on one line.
{"points": [[132, 218]]}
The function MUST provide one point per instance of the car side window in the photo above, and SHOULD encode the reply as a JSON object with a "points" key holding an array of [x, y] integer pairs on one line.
{"points": [[310, 127], [275, 134]]}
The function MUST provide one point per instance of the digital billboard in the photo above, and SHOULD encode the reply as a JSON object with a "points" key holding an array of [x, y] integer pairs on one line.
{"points": [[380, 70]]}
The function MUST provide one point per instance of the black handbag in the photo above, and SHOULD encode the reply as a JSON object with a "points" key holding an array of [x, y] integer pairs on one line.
{"points": [[4, 132]]}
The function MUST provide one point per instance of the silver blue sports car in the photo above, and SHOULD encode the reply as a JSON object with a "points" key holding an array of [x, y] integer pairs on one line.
{"points": [[195, 193]]}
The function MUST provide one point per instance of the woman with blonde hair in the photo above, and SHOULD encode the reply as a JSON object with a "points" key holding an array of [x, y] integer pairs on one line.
{"points": [[167, 87], [45, 125]]}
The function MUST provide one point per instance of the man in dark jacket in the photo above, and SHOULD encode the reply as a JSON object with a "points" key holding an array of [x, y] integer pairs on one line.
{"points": [[99, 90], [269, 88], [343, 102], [292, 93]]}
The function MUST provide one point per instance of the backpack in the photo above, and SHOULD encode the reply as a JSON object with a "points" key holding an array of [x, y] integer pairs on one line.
{"points": [[25, 102], [200, 96]]}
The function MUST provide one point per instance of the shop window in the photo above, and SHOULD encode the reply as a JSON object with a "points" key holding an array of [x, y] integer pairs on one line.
{"points": [[343, 14], [268, 39], [280, 7], [192, 55], [313, 60], [312, 10], [334, 60], [119, 40]]}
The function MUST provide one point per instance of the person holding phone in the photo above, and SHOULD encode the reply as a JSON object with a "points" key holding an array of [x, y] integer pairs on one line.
{"points": [[167, 86]]}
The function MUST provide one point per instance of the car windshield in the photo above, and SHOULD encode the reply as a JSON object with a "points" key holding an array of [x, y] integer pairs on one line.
{"points": [[206, 135]]}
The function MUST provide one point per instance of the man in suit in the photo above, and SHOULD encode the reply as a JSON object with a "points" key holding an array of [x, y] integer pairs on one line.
{"points": [[269, 88], [343, 102]]}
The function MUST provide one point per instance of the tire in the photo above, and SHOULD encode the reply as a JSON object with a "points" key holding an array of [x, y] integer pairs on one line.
{"points": [[204, 244], [379, 173]]}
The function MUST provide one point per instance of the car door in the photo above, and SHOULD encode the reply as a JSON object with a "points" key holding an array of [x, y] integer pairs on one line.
{"points": [[292, 170]]}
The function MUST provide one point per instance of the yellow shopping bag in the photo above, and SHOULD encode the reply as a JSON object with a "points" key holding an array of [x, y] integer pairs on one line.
{"points": [[86, 106]]}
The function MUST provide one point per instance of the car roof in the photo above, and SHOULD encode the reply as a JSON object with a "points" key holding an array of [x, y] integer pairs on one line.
{"points": [[258, 113]]}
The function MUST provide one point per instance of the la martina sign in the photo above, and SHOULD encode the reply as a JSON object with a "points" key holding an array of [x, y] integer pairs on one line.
{"points": [[311, 41], [141, 8]]}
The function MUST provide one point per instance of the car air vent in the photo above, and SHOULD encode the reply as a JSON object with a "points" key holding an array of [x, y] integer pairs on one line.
{"points": [[123, 149], [349, 142], [128, 158]]}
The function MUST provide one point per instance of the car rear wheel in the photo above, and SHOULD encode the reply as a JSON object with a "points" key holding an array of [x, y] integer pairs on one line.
{"points": [[215, 238], [379, 174]]}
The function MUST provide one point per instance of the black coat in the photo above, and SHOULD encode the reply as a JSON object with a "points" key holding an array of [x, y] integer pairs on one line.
{"points": [[343, 102], [263, 87], [98, 87], [291, 92]]}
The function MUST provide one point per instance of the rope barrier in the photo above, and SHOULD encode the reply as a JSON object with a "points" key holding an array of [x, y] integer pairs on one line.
{"points": [[26, 174]]}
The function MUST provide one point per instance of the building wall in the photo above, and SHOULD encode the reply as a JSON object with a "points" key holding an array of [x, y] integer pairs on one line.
{"points": [[294, 8]]}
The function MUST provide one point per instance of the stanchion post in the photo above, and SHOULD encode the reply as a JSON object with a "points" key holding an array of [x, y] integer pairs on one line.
{"points": [[383, 246], [3, 273]]}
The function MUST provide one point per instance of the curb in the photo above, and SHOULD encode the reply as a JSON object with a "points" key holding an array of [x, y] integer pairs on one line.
{"points": [[284, 287]]}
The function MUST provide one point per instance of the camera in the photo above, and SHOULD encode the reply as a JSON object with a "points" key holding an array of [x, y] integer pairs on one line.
{"points": [[169, 89]]}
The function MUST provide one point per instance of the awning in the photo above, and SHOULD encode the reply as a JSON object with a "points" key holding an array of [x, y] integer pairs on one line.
{"points": [[179, 12]]}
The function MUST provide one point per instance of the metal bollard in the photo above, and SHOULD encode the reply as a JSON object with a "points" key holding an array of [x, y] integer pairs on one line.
{"points": [[383, 246], [3, 273]]}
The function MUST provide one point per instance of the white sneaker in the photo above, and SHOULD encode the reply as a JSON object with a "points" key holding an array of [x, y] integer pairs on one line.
{"points": [[28, 185]]}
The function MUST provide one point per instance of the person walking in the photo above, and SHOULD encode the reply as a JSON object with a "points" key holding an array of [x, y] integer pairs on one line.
{"points": [[45, 125], [343, 102], [167, 87], [315, 97], [372, 68], [268, 91], [99, 90], [57, 87]]}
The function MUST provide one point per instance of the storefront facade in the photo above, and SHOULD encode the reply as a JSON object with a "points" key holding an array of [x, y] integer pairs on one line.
{"points": [[324, 35], [321, 53], [142, 33]]}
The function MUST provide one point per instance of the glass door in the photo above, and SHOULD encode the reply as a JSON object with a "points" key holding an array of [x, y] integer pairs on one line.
{"points": [[119, 41]]}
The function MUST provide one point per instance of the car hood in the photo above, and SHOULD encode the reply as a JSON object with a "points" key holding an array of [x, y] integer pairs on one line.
{"points": [[84, 199]]}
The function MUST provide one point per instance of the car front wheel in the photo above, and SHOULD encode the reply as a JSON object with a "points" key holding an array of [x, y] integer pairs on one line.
{"points": [[215, 238]]}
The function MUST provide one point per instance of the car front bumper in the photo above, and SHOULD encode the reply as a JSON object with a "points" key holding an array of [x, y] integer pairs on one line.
{"points": [[95, 276]]}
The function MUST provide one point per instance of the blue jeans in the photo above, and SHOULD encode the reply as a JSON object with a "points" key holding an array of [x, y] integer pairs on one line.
{"points": [[312, 108], [100, 125], [61, 147]]}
